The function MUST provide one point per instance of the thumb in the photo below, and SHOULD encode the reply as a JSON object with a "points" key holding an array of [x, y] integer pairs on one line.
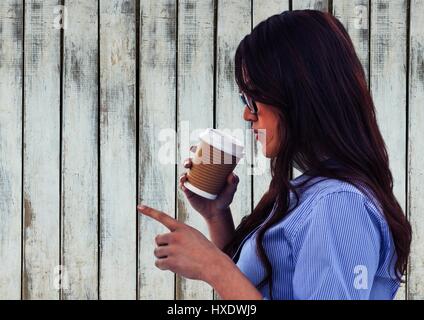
{"points": [[233, 179], [231, 185]]}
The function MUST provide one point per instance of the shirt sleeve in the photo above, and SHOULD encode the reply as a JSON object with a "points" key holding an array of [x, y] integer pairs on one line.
{"points": [[336, 250]]}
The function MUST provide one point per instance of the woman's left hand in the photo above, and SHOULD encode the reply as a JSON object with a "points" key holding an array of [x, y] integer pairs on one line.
{"points": [[184, 250]]}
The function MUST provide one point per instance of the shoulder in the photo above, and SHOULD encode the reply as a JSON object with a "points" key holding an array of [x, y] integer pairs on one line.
{"points": [[332, 203], [337, 191], [342, 223], [320, 189]]}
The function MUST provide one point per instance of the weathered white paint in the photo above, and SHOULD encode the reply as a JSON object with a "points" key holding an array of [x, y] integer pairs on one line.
{"points": [[388, 85], [118, 215], [261, 12], [415, 151], [40, 113], [354, 15], [41, 151], [10, 147], [261, 181], [157, 178], [195, 109], [79, 151], [310, 4]]}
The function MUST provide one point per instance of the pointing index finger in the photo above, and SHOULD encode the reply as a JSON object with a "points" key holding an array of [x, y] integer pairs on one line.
{"points": [[159, 216]]}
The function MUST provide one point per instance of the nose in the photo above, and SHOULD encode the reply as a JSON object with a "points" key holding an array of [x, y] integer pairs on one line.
{"points": [[249, 116]]}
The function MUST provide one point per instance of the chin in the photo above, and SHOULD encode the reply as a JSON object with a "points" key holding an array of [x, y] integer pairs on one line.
{"points": [[268, 152]]}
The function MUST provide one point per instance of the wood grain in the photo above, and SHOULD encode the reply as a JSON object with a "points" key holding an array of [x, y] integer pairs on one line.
{"points": [[157, 179], [118, 215], [11, 28], [355, 15], [186, 62], [415, 151], [79, 151], [195, 109], [41, 151], [322, 5]]}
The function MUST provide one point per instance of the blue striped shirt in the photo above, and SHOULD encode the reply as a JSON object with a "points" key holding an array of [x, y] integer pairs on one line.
{"points": [[335, 245]]}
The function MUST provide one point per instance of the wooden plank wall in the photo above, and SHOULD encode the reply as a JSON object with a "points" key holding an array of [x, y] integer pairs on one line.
{"points": [[79, 151], [41, 151], [195, 107], [157, 179], [11, 84], [118, 152], [85, 111], [415, 169]]}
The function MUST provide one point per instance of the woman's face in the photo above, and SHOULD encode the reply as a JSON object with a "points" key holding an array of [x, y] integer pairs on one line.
{"points": [[265, 124]]}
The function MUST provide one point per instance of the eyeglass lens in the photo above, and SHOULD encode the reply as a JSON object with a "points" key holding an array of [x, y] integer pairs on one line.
{"points": [[247, 102]]}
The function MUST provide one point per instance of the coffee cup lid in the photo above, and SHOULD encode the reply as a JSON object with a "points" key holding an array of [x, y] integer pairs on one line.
{"points": [[223, 141]]}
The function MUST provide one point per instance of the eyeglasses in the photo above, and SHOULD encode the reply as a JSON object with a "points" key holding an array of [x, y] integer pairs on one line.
{"points": [[249, 102]]}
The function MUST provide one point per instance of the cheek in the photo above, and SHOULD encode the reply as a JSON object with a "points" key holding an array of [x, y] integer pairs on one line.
{"points": [[269, 136], [272, 133], [273, 138]]}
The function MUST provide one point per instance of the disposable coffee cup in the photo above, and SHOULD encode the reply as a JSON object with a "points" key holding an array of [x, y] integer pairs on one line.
{"points": [[216, 156]]}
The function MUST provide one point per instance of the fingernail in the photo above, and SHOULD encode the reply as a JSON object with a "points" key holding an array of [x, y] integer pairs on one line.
{"points": [[141, 207]]}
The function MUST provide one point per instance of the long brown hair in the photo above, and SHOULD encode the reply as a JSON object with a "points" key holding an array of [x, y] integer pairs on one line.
{"points": [[304, 63]]}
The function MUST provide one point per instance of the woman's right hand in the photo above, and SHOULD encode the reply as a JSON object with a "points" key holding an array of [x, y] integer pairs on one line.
{"points": [[210, 208]]}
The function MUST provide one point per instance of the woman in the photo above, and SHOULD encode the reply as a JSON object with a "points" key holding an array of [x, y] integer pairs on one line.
{"points": [[335, 232]]}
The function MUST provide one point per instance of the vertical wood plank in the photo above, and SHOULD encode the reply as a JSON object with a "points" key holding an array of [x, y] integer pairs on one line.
{"points": [[261, 12], [388, 85], [195, 109], [79, 151], [118, 216], [157, 179], [41, 150], [11, 28], [415, 151], [262, 180], [322, 5], [354, 16]]}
